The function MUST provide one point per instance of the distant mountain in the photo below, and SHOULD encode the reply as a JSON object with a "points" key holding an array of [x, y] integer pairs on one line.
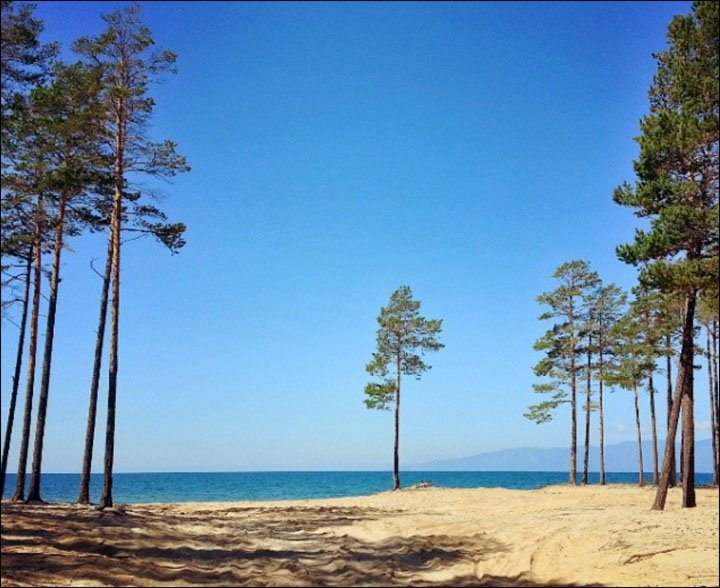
{"points": [[622, 457]]}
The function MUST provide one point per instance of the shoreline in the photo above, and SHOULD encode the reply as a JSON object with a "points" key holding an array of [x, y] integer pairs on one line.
{"points": [[557, 535], [171, 488]]}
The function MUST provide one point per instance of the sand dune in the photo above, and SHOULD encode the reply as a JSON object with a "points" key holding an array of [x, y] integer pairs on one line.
{"points": [[555, 536]]}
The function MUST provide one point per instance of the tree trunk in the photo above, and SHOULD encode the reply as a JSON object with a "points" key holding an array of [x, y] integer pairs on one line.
{"points": [[641, 480], [587, 415], [34, 492], [84, 495], [688, 428], [656, 475], [684, 381], [32, 354], [668, 350], [717, 392], [106, 499], [16, 376], [396, 454], [713, 420], [573, 408], [602, 424]]}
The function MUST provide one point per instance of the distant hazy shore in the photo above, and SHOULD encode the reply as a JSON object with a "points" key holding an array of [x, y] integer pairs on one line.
{"points": [[556, 535]]}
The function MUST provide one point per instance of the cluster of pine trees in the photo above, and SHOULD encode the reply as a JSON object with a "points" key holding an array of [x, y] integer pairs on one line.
{"points": [[597, 336], [74, 146]]}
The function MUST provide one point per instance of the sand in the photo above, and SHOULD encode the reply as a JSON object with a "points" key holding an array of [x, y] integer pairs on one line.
{"points": [[554, 536]]}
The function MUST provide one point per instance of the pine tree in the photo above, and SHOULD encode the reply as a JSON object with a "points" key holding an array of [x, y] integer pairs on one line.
{"points": [[402, 333], [25, 184], [123, 52], [632, 364], [24, 61], [677, 191], [605, 306], [648, 307], [70, 113], [561, 344]]}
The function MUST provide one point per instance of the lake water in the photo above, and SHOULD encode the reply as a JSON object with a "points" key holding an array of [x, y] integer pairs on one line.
{"points": [[231, 486]]}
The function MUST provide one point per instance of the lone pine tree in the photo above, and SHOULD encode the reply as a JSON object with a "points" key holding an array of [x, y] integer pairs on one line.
{"points": [[402, 333]]}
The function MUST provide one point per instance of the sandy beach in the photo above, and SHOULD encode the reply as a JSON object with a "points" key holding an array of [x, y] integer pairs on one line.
{"points": [[559, 536]]}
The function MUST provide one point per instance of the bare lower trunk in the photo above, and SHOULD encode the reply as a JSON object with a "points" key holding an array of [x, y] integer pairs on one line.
{"points": [[573, 430], [668, 351], [84, 495], [717, 391], [641, 480], [688, 428], [32, 355], [106, 499], [587, 415], [713, 420], [34, 492], [684, 381], [602, 424], [396, 454], [651, 391], [16, 376]]}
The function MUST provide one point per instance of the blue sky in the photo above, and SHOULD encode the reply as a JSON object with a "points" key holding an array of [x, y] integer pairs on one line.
{"points": [[338, 152]]}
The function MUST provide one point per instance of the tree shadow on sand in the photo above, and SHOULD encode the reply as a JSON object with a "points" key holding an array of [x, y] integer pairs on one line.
{"points": [[244, 546]]}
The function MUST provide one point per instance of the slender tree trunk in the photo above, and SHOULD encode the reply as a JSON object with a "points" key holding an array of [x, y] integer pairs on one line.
{"points": [[656, 474], [641, 480], [684, 381], [34, 492], [713, 420], [16, 376], [587, 414], [396, 454], [668, 351], [573, 441], [602, 423], [573, 405], [106, 499], [682, 449], [717, 392], [32, 354], [84, 495]]}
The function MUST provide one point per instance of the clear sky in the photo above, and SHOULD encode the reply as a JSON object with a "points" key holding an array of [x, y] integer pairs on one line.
{"points": [[338, 152]]}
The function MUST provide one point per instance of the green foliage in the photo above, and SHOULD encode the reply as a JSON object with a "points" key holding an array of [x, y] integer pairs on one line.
{"points": [[637, 345], [605, 306], [542, 411], [561, 343], [128, 65], [401, 334], [677, 169], [128, 68], [380, 396], [23, 58]]}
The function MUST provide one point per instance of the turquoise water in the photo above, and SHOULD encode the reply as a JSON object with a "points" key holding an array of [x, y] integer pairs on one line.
{"points": [[217, 487]]}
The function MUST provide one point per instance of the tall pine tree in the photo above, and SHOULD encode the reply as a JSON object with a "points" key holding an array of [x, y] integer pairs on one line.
{"points": [[124, 53], [561, 344], [677, 191], [401, 334], [605, 306]]}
